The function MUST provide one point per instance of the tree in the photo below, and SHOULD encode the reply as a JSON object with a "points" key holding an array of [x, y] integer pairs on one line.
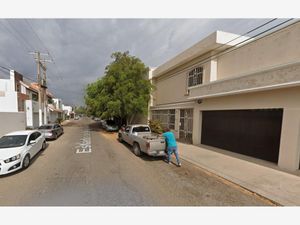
{"points": [[80, 110], [123, 92]]}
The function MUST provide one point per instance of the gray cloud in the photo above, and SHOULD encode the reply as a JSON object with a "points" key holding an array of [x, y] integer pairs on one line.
{"points": [[82, 48]]}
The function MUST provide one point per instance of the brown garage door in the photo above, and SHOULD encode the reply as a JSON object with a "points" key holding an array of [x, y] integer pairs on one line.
{"points": [[250, 132]]}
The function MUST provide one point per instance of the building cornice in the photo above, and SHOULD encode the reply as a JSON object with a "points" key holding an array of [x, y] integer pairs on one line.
{"points": [[282, 76]]}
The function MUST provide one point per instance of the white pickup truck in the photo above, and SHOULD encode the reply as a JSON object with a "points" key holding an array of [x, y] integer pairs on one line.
{"points": [[141, 139]]}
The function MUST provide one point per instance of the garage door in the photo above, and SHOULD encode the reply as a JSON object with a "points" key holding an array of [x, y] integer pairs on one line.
{"points": [[253, 133]]}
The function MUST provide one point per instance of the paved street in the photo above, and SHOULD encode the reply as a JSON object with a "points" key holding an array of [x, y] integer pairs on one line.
{"points": [[89, 167]]}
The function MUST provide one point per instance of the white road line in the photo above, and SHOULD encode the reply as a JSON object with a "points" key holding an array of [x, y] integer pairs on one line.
{"points": [[84, 144]]}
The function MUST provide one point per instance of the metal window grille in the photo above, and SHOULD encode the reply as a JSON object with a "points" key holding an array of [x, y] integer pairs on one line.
{"points": [[166, 117], [195, 76]]}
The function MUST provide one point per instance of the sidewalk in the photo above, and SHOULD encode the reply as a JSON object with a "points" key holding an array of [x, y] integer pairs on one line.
{"points": [[278, 186]]}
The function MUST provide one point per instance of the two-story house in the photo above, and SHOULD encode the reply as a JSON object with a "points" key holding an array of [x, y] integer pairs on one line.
{"points": [[19, 95], [240, 98], [12, 98], [55, 110]]}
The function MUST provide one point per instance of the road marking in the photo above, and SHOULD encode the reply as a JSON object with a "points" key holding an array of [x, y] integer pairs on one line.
{"points": [[84, 144]]}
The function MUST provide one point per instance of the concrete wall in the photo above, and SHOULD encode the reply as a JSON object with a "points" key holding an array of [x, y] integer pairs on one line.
{"points": [[8, 97], [287, 98], [9, 102], [279, 48], [11, 121], [53, 117], [32, 116]]}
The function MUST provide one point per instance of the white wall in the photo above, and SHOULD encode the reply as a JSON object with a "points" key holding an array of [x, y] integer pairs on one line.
{"points": [[53, 116], [68, 108], [11, 121], [8, 102], [8, 98], [32, 116]]}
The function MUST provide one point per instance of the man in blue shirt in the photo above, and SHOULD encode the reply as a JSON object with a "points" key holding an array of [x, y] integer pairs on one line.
{"points": [[171, 145]]}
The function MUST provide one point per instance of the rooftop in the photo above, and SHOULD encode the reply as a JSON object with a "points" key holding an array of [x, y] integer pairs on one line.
{"points": [[217, 41]]}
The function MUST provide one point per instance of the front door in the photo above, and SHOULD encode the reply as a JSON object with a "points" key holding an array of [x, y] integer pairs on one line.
{"points": [[186, 126]]}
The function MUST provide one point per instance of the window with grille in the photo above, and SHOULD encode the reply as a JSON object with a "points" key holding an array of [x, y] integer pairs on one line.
{"points": [[195, 76], [166, 117]]}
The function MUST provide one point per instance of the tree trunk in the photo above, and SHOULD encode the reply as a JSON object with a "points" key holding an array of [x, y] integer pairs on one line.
{"points": [[131, 118]]}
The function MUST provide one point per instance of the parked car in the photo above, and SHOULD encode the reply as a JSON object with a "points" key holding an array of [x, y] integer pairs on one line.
{"points": [[111, 126], [103, 124], [141, 139], [76, 118], [51, 131], [97, 119], [18, 148]]}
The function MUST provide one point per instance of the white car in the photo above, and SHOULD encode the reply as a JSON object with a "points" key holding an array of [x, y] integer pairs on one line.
{"points": [[18, 148]]}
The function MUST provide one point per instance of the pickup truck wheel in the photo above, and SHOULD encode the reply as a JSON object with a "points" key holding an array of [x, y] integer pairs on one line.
{"points": [[120, 139], [136, 149]]}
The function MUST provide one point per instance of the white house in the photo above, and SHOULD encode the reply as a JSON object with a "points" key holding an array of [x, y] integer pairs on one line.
{"points": [[68, 111], [55, 110], [20, 96], [12, 97]]}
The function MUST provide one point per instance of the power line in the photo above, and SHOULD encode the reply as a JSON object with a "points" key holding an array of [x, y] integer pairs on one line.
{"points": [[3, 67], [43, 46], [20, 41], [248, 32], [28, 23], [20, 34], [234, 47]]}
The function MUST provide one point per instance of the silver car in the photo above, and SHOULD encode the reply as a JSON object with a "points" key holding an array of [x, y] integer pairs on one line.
{"points": [[51, 131]]}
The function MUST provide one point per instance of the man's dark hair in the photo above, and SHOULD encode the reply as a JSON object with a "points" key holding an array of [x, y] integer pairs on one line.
{"points": [[166, 129]]}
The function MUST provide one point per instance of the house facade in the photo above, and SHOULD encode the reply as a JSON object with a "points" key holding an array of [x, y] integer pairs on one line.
{"points": [[20, 96], [12, 98], [240, 98], [55, 110], [68, 112]]}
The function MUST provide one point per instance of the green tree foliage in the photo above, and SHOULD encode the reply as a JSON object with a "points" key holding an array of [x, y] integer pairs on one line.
{"points": [[80, 110], [123, 92]]}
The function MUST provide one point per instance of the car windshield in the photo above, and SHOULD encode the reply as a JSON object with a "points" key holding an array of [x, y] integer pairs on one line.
{"points": [[12, 141], [46, 127], [110, 123]]}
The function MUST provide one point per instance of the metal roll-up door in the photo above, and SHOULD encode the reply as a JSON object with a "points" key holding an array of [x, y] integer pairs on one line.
{"points": [[253, 133]]}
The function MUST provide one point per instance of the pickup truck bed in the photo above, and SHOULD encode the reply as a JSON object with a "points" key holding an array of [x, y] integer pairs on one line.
{"points": [[143, 141]]}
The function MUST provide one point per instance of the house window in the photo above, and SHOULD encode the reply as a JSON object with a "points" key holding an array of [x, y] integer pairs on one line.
{"points": [[18, 87], [166, 117], [21, 104], [195, 76], [35, 97]]}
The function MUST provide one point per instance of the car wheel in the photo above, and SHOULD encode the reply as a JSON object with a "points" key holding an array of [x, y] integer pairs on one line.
{"points": [[55, 137], [26, 162], [44, 145], [120, 138], [136, 149]]}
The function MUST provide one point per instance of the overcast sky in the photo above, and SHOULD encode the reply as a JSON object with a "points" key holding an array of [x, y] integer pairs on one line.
{"points": [[81, 48]]}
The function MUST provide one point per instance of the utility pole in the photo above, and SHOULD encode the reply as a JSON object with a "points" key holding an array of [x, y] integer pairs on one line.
{"points": [[42, 97], [39, 88], [44, 94]]}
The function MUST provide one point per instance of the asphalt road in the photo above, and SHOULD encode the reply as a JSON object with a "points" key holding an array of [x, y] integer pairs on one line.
{"points": [[109, 174]]}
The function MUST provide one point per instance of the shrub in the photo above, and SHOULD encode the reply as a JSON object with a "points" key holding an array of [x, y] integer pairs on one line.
{"points": [[58, 120], [156, 126]]}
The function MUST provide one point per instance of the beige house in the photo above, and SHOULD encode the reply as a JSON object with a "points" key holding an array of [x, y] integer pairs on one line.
{"points": [[241, 98]]}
